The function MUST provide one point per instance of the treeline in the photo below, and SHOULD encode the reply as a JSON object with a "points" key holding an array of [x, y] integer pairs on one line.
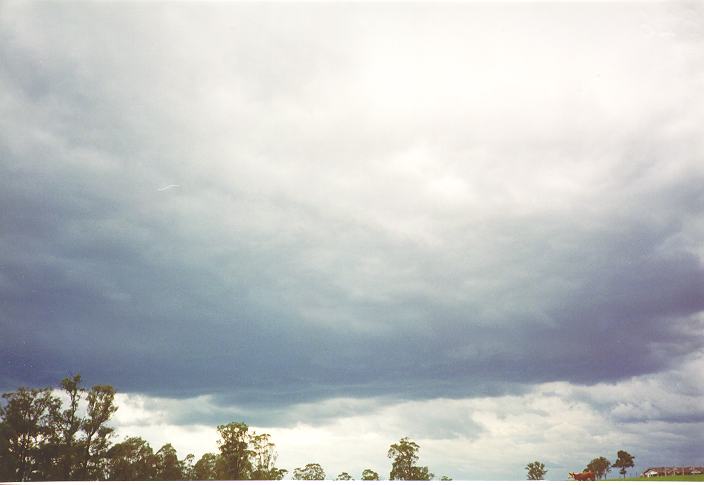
{"points": [[45, 436], [599, 467]]}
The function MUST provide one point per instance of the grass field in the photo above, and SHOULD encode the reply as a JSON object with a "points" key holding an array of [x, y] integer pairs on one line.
{"points": [[669, 478]]}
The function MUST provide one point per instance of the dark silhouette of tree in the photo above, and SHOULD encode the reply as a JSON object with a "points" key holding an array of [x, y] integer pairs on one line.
{"points": [[445, 478], [96, 439], [167, 464], [46, 442], [69, 424], [369, 474], [600, 466], [8, 464], [405, 455], [312, 471], [29, 434], [209, 467], [344, 476], [536, 470], [132, 459], [624, 460], [187, 467]]}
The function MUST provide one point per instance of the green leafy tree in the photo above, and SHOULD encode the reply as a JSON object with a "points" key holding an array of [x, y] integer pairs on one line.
{"points": [[46, 442], [312, 471], [235, 450], [187, 467], [28, 433], [263, 458], [600, 466], [536, 470], [8, 464], [42, 440], [344, 476], [167, 464], [369, 474], [405, 455], [208, 467], [96, 440], [132, 459], [624, 460], [69, 424], [46, 461], [445, 478]]}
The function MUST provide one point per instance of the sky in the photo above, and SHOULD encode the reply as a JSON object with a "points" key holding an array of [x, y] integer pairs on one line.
{"points": [[479, 225]]}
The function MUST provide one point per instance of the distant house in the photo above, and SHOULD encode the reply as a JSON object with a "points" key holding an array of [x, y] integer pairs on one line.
{"points": [[663, 471]]}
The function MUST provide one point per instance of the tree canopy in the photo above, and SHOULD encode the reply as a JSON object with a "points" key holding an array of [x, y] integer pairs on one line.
{"points": [[624, 460], [536, 470], [43, 437], [369, 474], [600, 466], [405, 455], [312, 471]]}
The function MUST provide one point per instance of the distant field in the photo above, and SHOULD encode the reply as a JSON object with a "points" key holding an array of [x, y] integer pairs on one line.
{"points": [[669, 478]]}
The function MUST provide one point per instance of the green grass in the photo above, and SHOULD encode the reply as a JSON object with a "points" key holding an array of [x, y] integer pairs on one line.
{"points": [[669, 478]]}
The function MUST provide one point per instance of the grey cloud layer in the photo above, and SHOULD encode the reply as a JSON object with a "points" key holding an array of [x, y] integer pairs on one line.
{"points": [[359, 212], [566, 425]]}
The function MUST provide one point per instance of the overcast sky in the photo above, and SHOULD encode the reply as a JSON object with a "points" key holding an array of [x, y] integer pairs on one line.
{"points": [[478, 225]]}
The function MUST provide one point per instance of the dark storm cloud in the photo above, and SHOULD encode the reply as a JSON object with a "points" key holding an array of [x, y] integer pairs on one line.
{"points": [[97, 304], [292, 264]]}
